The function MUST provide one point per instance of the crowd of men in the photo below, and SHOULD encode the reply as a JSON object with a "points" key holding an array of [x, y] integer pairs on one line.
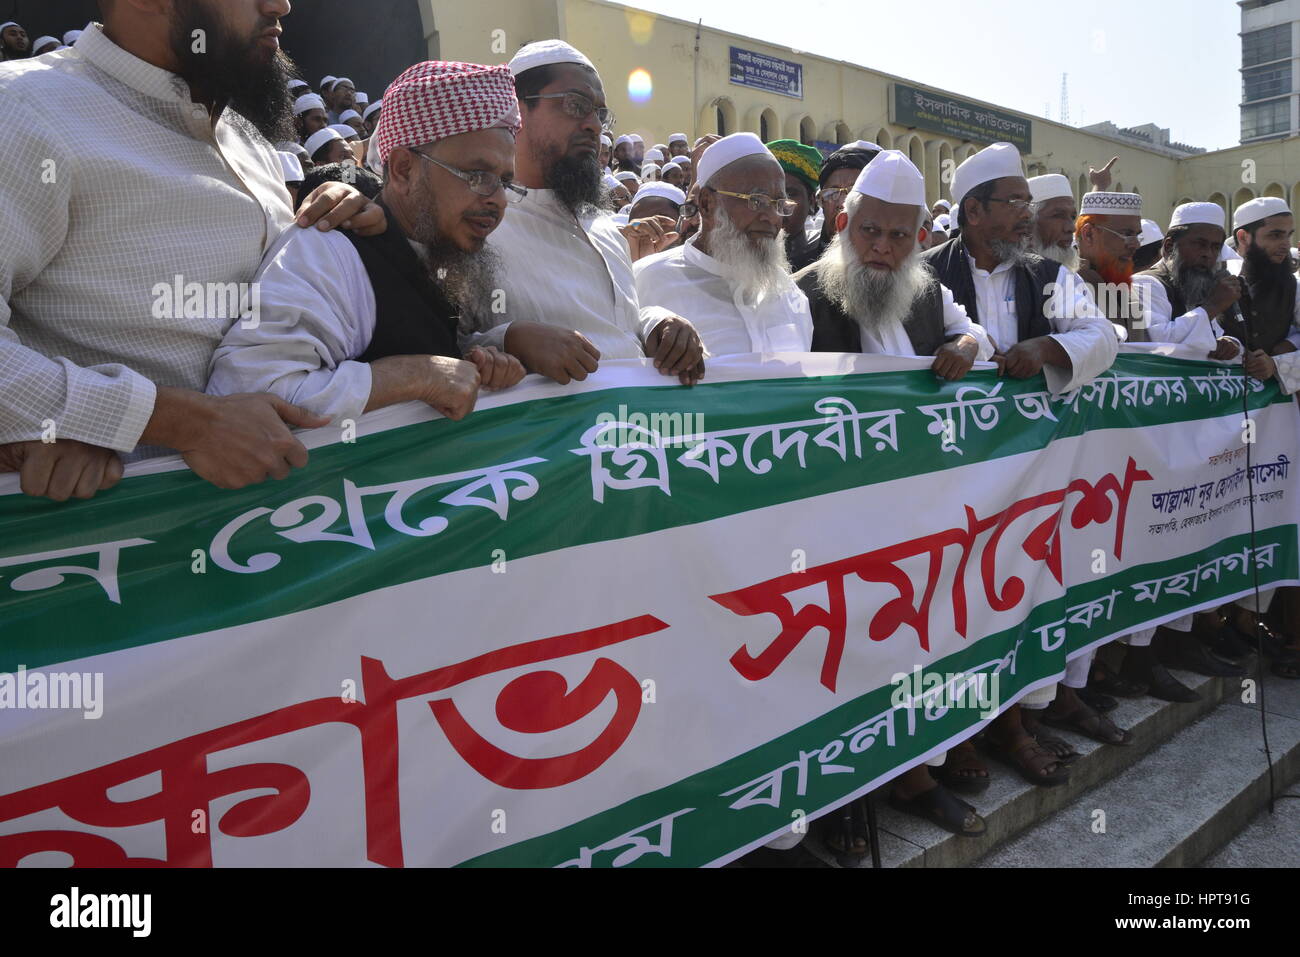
{"points": [[482, 222]]}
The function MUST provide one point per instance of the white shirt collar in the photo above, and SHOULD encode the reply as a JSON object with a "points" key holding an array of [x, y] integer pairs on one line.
{"points": [[103, 53], [976, 271]]}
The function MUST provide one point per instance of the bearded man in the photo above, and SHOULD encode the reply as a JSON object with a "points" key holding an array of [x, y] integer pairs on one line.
{"points": [[732, 278], [351, 324], [568, 294], [1054, 216]]}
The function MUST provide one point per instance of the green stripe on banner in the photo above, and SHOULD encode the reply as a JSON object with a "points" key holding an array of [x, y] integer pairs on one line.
{"points": [[164, 523]]}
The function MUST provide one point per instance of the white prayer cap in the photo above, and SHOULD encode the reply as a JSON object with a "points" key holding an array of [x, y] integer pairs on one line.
{"points": [[605, 140], [680, 161], [1228, 254], [344, 79], [610, 181], [347, 115], [654, 154], [1191, 214], [362, 98], [1098, 203], [295, 83], [372, 108], [9, 23], [71, 37], [993, 162], [1050, 186], [943, 222], [292, 168], [677, 138], [942, 202], [627, 175], [546, 53], [662, 190], [649, 170], [1248, 213], [319, 139], [1151, 232], [291, 147], [728, 150], [41, 41], [635, 138], [862, 145], [327, 80], [345, 131], [308, 101], [622, 141], [893, 177]]}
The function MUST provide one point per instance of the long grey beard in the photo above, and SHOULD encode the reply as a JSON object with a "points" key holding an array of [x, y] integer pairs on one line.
{"points": [[874, 298], [1009, 252], [1067, 256], [468, 280], [1195, 284], [756, 271]]}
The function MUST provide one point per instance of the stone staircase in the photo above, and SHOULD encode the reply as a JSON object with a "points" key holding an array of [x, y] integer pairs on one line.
{"points": [[1193, 777]]}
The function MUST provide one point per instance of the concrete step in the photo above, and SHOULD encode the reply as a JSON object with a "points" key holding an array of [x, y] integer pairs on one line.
{"points": [[1183, 801], [1012, 805]]}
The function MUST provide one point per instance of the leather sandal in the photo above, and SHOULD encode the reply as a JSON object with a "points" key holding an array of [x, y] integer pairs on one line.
{"points": [[1031, 760], [1090, 724], [942, 808], [963, 758]]}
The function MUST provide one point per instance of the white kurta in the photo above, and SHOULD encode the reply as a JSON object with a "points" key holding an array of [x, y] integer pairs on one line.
{"points": [[317, 314], [1193, 328], [891, 338], [575, 275], [697, 288], [1087, 336]]}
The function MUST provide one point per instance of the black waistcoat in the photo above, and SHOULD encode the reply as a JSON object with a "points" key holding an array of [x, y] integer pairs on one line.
{"points": [[1269, 309], [833, 331], [412, 316], [1033, 279]]}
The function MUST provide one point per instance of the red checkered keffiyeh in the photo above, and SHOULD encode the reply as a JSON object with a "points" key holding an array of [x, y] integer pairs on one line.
{"points": [[435, 99]]}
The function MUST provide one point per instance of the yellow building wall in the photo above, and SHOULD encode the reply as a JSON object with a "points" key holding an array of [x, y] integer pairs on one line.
{"points": [[842, 102]]}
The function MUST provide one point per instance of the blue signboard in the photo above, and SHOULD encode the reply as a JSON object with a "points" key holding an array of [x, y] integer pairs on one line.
{"points": [[769, 73]]}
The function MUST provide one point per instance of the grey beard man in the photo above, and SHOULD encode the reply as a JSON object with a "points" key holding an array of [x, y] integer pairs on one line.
{"points": [[1066, 255], [468, 279], [1194, 283], [873, 297], [756, 269]]}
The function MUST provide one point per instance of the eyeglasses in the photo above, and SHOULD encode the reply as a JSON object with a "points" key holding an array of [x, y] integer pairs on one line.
{"points": [[1130, 237], [834, 194], [578, 107], [1019, 205], [479, 181], [761, 203]]}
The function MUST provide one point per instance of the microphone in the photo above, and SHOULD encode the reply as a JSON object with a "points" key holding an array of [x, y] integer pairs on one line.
{"points": [[1235, 311]]}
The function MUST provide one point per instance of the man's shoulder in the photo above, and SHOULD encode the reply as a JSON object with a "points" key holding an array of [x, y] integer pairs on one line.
{"points": [[660, 264], [297, 247]]}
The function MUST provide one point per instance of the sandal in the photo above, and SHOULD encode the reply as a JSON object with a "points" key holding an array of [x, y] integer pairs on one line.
{"points": [[1090, 724], [1108, 682], [963, 771], [941, 807], [844, 822], [1097, 701], [1031, 760], [1287, 665], [1062, 749]]}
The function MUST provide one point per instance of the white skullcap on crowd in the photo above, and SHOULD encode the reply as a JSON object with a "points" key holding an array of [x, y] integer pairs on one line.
{"points": [[605, 140], [610, 181], [627, 175], [1227, 254], [993, 162], [71, 37], [943, 222], [1050, 186], [680, 161], [728, 150], [344, 79], [677, 138], [347, 115], [9, 23], [862, 145], [1255, 210], [661, 190], [41, 41], [319, 139], [361, 98], [1100, 203], [635, 138], [308, 101], [372, 108], [292, 147], [547, 53], [622, 141], [327, 80], [345, 131], [654, 154], [892, 177], [1151, 232], [944, 203], [649, 171], [292, 168], [295, 83], [1192, 214]]}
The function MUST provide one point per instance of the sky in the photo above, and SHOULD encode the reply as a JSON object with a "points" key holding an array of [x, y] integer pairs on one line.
{"points": [[1174, 63]]}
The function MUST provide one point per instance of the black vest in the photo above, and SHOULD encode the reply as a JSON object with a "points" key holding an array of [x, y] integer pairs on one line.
{"points": [[1177, 304], [1269, 310], [1033, 279], [833, 331], [412, 316]]}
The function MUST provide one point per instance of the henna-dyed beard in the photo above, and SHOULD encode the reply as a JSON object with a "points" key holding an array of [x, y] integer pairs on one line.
{"points": [[1112, 269]]}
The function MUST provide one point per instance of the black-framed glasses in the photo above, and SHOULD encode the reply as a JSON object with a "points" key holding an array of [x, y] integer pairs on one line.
{"points": [[761, 202], [1019, 205], [578, 107], [480, 181]]}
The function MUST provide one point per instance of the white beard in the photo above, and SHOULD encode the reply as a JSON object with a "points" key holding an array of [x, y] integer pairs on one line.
{"points": [[756, 271], [875, 298], [1067, 256]]}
